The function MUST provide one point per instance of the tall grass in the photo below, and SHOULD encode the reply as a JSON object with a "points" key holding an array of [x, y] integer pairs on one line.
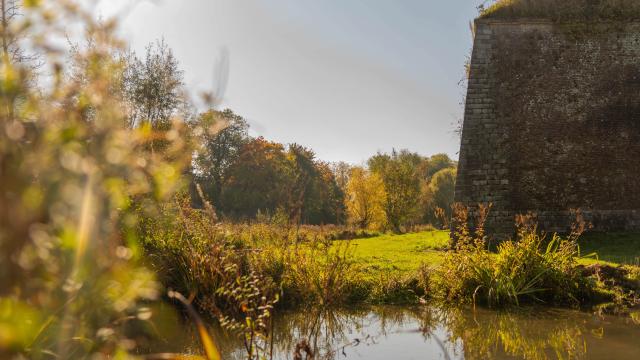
{"points": [[239, 273], [530, 268]]}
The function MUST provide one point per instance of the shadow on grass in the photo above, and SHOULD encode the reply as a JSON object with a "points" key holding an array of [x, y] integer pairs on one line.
{"points": [[621, 248]]}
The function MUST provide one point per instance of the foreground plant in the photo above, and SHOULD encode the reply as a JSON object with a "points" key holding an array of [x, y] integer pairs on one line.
{"points": [[527, 269], [74, 178]]}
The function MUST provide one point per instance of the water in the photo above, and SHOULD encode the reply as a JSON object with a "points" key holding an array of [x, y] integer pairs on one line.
{"points": [[431, 333]]}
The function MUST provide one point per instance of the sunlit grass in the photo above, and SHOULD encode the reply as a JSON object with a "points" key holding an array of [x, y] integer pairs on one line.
{"points": [[401, 253], [405, 253]]}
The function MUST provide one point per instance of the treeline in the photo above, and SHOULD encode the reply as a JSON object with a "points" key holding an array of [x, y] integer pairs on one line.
{"points": [[248, 178], [253, 179], [399, 190]]}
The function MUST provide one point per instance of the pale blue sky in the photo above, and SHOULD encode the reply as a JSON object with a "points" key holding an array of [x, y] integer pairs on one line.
{"points": [[344, 77]]}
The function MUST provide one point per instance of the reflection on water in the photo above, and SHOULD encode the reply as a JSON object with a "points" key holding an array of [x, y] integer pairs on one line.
{"points": [[432, 333]]}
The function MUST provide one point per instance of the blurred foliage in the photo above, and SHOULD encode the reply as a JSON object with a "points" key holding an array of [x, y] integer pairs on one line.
{"points": [[74, 181]]}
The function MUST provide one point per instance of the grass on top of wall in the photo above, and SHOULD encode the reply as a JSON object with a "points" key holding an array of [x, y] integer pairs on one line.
{"points": [[558, 10]]}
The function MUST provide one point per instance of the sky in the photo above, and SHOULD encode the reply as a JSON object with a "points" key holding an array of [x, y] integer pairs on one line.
{"points": [[346, 78]]}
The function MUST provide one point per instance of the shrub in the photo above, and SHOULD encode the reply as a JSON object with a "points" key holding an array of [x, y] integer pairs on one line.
{"points": [[71, 269], [193, 254], [529, 269], [322, 274]]}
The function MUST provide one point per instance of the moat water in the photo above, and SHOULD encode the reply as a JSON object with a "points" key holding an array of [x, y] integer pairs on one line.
{"points": [[430, 333]]}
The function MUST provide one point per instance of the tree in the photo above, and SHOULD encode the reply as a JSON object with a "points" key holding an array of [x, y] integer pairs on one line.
{"points": [[401, 176], [264, 178], [442, 187], [13, 35], [341, 171], [324, 202], [153, 86], [304, 172], [439, 194], [366, 199], [224, 134], [259, 180], [438, 162]]}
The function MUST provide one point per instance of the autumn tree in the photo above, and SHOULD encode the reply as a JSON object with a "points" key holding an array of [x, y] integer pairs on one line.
{"points": [[341, 171], [366, 199], [438, 162], [259, 180], [400, 174], [303, 172]]}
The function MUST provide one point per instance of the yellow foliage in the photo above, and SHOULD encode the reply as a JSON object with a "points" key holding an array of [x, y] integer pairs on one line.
{"points": [[365, 200]]}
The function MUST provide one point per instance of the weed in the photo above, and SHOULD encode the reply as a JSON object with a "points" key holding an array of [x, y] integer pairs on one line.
{"points": [[529, 268]]}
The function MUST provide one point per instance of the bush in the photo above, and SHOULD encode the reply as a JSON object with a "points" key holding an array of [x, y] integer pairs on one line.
{"points": [[528, 269]]}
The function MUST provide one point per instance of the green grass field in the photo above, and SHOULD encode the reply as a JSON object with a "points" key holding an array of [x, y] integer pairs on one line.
{"points": [[405, 253], [402, 253]]}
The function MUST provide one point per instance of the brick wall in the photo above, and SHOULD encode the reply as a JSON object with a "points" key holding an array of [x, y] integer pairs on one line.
{"points": [[552, 123]]}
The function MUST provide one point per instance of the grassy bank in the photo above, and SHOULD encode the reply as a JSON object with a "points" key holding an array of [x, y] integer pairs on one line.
{"points": [[405, 253], [294, 266], [238, 273]]}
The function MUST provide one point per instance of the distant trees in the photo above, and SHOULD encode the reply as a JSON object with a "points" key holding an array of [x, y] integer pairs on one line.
{"points": [[366, 199], [325, 202], [267, 178], [341, 171], [244, 177], [411, 189], [438, 162], [255, 176], [438, 196], [259, 180], [153, 86]]}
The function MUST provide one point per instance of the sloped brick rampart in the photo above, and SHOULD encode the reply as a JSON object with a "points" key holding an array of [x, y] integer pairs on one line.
{"points": [[552, 123]]}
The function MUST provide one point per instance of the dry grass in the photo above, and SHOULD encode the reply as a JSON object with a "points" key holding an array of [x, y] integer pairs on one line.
{"points": [[559, 10]]}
